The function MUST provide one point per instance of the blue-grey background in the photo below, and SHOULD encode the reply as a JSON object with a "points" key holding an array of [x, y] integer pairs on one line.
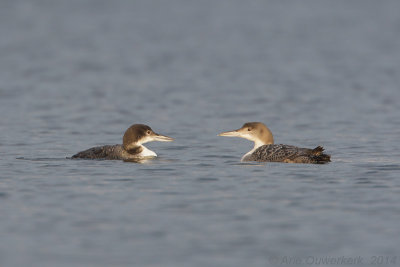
{"points": [[75, 74]]}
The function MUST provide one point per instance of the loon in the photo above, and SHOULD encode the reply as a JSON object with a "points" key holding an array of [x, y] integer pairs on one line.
{"points": [[132, 146], [265, 149]]}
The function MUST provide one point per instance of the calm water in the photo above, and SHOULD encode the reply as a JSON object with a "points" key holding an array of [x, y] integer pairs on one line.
{"points": [[76, 74]]}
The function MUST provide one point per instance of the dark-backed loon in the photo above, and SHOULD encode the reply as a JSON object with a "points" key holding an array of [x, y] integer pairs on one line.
{"points": [[132, 146], [265, 150]]}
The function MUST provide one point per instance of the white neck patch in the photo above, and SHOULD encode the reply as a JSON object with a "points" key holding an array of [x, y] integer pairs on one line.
{"points": [[146, 152]]}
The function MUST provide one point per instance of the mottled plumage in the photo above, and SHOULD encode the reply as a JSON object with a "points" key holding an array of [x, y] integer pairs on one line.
{"points": [[288, 154], [111, 152], [265, 150]]}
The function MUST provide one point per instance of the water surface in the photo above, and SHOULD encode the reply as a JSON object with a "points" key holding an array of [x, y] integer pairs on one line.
{"points": [[76, 74]]}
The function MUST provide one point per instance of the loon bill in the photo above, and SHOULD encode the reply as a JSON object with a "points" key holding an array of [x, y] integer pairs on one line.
{"points": [[132, 146], [265, 149]]}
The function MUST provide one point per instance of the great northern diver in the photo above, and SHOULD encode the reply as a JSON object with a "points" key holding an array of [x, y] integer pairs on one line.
{"points": [[265, 150], [132, 146]]}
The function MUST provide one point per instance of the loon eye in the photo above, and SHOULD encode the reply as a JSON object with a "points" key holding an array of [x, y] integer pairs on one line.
{"points": [[148, 132]]}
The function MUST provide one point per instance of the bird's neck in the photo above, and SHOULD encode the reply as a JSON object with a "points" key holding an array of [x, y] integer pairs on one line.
{"points": [[257, 144], [140, 150]]}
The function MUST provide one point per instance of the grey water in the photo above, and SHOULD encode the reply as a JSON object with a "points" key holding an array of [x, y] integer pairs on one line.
{"points": [[76, 74]]}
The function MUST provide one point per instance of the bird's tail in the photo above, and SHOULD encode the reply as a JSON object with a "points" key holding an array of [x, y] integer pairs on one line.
{"points": [[319, 156]]}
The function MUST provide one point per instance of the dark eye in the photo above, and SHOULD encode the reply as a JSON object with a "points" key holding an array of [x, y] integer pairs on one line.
{"points": [[248, 129], [148, 132]]}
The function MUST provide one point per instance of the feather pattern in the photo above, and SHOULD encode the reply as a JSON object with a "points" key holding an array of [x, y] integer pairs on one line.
{"points": [[111, 152], [288, 153]]}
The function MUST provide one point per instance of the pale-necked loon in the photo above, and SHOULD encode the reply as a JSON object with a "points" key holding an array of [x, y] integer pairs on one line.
{"points": [[265, 149], [132, 146]]}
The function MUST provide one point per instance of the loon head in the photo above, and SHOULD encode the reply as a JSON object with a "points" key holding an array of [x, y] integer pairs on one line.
{"points": [[138, 134], [253, 131]]}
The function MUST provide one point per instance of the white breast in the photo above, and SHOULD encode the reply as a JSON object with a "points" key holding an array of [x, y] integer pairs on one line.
{"points": [[147, 153]]}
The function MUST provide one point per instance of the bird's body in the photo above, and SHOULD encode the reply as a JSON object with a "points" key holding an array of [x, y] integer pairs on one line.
{"points": [[131, 149], [287, 154], [266, 151], [110, 152]]}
